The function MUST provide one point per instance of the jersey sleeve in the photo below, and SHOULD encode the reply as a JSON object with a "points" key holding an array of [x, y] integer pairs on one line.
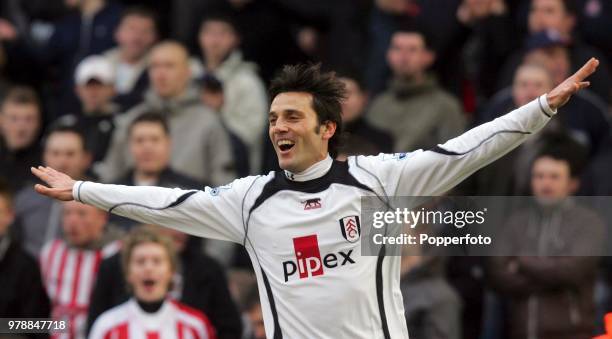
{"points": [[435, 171], [214, 213]]}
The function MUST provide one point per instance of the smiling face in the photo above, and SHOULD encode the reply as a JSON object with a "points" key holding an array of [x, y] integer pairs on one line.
{"points": [[150, 271], [298, 138]]}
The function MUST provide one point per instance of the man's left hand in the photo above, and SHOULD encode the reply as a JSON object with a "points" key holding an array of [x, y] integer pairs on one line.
{"points": [[562, 93]]}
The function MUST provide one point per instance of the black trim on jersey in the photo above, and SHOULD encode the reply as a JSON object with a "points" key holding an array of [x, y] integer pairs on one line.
{"points": [[177, 202], [441, 150], [380, 294], [542, 108], [79, 192], [337, 174], [277, 329]]}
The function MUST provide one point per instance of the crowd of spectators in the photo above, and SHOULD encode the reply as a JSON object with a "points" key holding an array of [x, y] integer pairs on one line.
{"points": [[173, 93]]}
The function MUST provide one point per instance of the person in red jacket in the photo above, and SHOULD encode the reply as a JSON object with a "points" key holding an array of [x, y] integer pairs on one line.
{"points": [[149, 261]]}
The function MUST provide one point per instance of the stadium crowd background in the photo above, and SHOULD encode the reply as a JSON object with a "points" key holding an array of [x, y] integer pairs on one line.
{"points": [[173, 93]]}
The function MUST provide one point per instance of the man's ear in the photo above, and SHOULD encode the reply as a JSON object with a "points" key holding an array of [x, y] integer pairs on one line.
{"points": [[429, 58], [87, 160], [328, 129], [574, 185]]}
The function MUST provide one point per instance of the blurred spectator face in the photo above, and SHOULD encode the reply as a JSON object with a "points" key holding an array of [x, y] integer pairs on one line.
{"points": [[356, 99], [169, 70], [212, 99], [407, 55], [530, 82], [82, 224], [95, 95], [95, 79], [65, 152], [19, 124], [217, 39], [555, 59], [551, 179], [6, 214], [135, 36], [150, 147], [256, 318], [550, 14], [149, 271]]}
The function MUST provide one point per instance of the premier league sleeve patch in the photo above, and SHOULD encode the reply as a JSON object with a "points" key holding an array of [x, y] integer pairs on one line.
{"points": [[350, 228]]}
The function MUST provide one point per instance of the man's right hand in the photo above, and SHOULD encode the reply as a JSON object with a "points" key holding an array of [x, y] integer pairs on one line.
{"points": [[60, 184]]}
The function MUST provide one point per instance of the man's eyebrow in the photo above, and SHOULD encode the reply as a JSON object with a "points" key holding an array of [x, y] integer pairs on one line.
{"points": [[287, 111]]}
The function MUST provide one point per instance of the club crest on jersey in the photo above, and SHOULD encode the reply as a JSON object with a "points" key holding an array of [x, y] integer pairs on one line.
{"points": [[311, 204], [350, 228]]}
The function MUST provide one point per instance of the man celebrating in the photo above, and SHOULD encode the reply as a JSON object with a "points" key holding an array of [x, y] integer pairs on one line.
{"points": [[288, 220]]}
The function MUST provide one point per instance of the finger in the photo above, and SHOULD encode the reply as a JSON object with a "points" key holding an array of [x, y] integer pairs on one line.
{"points": [[44, 190], [583, 84], [587, 69], [40, 174]]}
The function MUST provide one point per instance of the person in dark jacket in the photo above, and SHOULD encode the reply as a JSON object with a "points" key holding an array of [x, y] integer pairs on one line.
{"points": [[150, 144], [22, 294], [549, 256], [39, 217], [20, 125], [135, 35], [357, 128], [95, 88], [200, 283]]}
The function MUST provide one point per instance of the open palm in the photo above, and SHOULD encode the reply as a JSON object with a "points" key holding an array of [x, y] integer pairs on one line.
{"points": [[59, 184]]}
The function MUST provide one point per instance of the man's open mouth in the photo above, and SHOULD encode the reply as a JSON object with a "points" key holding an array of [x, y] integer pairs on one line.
{"points": [[285, 145]]}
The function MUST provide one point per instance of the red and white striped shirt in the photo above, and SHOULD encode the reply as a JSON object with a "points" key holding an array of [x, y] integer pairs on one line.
{"points": [[68, 275], [172, 321]]}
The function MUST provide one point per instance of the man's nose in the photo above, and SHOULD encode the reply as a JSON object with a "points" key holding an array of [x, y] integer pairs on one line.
{"points": [[280, 127]]}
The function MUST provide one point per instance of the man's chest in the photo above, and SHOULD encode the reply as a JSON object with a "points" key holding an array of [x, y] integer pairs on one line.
{"points": [[304, 235]]}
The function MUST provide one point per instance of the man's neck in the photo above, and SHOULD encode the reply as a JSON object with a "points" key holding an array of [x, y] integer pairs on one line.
{"points": [[213, 63], [315, 171], [416, 79], [131, 60]]}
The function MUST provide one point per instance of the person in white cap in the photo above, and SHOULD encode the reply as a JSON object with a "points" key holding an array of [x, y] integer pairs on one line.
{"points": [[95, 88]]}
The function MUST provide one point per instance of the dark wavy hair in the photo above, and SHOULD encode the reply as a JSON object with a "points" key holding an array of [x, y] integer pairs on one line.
{"points": [[326, 90]]}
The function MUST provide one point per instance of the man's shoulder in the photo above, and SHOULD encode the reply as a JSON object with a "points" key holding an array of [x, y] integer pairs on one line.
{"points": [[241, 186]]}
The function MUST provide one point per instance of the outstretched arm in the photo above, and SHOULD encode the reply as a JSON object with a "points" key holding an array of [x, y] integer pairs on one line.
{"points": [[210, 213], [443, 167]]}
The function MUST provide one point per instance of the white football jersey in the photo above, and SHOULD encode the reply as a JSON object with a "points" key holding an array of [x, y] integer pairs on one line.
{"points": [[302, 231]]}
